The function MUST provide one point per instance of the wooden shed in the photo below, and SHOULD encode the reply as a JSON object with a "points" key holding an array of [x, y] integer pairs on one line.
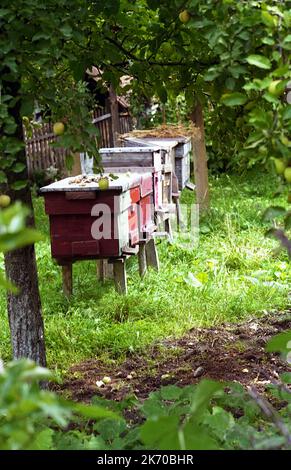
{"points": [[111, 116]]}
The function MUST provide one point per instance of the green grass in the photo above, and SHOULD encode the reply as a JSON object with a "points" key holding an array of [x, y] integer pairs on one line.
{"points": [[241, 277]]}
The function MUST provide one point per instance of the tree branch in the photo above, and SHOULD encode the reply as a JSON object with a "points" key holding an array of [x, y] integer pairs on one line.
{"points": [[271, 413]]}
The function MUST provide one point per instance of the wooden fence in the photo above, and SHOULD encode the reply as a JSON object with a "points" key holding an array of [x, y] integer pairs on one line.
{"points": [[41, 155]]}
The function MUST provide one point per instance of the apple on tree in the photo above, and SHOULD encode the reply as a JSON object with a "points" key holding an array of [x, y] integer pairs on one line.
{"points": [[58, 128], [287, 174], [280, 166], [274, 88], [184, 16], [4, 200]]}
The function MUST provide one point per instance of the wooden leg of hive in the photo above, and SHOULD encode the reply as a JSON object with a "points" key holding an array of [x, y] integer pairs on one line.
{"points": [[104, 270], [142, 261], [119, 271], [178, 211], [152, 254], [168, 228], [67, 273], [100, 270]]}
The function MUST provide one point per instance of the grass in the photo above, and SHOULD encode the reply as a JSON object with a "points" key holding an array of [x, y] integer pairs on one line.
{"points": [[240, 276]]}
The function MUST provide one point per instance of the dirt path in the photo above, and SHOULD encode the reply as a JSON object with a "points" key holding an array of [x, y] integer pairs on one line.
{"points": [[229, 352]]}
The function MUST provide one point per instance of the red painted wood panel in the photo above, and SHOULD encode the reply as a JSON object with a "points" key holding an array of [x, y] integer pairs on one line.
{"points": [[146, 186], [56, 203], [86, 248], [135, 194], [133, 226], [146, 212]]}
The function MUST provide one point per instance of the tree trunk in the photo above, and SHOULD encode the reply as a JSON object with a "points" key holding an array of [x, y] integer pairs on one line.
{"points": [[200, 159], [24, 308], [114, 116]]}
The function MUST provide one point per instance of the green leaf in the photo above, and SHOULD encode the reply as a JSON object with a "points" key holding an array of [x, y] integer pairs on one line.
{"points": [[162, 94], [211, 74], [11, 63], [197, 438], [40, 35], [153, 407], [273, 212], [17, 185], [66, 30], [161, 433], [171, 392], [269, 41], [18, 167], [259, 61], [94, 412], [234, 99], [287, 221], [11, 241], [268, 19], [43, 440], [35, 373], [286, 377], [3, 177], [27, 106], [69, 161], [286, 115], [153, 4], [204, 391], [109, 429], [4, 12], [8, 285], [280, 343]]}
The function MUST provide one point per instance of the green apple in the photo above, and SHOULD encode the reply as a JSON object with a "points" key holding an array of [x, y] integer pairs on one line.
{"points": [[58, 128], [106, 380], [4, 200], [103, 183], [280, 166], [167, 48], [287, 174], [274, 89], [184, 16], [285, 140]]}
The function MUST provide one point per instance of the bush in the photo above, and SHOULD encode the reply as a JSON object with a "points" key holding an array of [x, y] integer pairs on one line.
{"points": [[210, 415]]}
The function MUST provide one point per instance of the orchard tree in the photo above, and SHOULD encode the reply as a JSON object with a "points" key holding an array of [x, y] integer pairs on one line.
{"points": [[230, 58]]}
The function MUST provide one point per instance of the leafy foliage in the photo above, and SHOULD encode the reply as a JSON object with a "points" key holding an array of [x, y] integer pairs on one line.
{"points": [[28, 415], [190, 418], [14, 233]]}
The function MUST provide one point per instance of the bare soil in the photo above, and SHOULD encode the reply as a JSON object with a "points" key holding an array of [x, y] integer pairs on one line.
{"points": [[230, 352]]}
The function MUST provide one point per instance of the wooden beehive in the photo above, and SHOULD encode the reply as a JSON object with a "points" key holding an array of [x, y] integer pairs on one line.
{"points": [[75, 212], [177, 151], [139, 160]]}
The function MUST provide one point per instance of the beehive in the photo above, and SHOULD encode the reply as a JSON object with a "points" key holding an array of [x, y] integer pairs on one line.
{"points": [[75, 211], [140, 160], [177, 151]]}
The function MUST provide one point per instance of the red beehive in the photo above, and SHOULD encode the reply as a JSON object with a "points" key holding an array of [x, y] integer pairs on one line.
{"points": [[138, 159], [89, 223]]}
